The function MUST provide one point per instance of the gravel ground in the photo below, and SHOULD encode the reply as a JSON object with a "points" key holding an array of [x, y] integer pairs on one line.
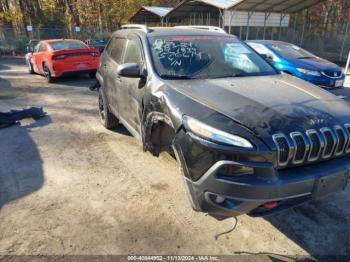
{"points": [[68, 186]]}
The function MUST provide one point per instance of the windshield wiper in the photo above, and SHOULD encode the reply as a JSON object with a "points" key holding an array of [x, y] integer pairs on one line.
{"points": [[305, 57], [175, 77], [233, 75]]}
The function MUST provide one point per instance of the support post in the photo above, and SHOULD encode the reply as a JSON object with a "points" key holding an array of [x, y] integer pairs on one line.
{"points": [[248, 24], [220, 19], [344, 40], [302, 34], [280, 31], [229, 27], [267, 15], [295, 28], [347, 65]]}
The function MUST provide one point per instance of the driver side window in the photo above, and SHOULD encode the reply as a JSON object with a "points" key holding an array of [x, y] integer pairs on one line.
{"points": [[132, 53]]}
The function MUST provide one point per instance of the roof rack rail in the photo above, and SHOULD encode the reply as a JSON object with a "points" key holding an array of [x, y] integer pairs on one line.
{"points": [[136, 26], [203, 27]]}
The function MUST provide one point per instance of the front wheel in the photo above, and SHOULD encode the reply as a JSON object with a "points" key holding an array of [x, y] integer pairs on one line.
{"points": [[47, 74], [108, 120]]}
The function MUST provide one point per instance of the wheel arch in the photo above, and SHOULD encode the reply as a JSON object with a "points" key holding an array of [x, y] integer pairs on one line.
{"points": [[159, 133]]}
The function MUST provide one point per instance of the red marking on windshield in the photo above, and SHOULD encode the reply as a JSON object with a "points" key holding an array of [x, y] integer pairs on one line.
{"points": [[194, 38]]}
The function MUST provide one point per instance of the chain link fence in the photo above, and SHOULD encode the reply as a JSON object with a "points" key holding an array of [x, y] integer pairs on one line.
{"points": [[331, 42], [12, 42]]}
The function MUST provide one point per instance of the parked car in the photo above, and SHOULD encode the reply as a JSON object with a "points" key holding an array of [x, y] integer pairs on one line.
{"points": [[298, 62], [99, 44], [61, 57], [247, 138]]}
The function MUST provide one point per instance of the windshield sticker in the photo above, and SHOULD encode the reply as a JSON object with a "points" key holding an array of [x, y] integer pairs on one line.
{"points": [[237, 55], [237, 48]]}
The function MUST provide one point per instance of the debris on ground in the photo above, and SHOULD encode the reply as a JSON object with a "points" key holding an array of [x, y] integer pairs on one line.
{"points": [[11, 118]]}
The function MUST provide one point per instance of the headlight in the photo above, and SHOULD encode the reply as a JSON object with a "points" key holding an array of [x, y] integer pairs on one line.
{"points": [[309, 72], [207, 132]]}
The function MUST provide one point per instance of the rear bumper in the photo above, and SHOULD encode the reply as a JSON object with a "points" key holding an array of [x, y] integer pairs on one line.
{"points": [[248, 194], [70, 73], [65, 69]]}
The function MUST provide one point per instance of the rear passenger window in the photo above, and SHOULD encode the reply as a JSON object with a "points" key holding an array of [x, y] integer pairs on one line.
{"points": [[115, 49], [132, 53]]}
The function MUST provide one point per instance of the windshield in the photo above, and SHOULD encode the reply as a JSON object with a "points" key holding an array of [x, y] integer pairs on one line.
{"points": [[97, 42], [190, 57], [289, 51], [67, 45]]}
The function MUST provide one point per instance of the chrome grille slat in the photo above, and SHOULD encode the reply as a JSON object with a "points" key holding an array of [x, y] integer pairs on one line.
{"points": [[330, 142], [347, 128], [315, 149], [313, 145], [283, 149], [301, 147], [342, 138]]}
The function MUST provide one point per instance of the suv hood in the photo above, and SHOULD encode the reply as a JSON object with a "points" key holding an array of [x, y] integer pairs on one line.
{"points": [[267, 104]]}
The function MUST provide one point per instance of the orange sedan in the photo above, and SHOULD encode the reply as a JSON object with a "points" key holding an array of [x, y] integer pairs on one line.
{"points": [[61, 57]]}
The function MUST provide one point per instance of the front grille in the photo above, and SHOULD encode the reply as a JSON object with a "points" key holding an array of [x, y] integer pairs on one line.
{"points": [[332, 73], [314, 145]]}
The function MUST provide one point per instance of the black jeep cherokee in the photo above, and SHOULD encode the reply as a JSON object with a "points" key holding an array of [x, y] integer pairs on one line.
{"points": [[247, 138]]}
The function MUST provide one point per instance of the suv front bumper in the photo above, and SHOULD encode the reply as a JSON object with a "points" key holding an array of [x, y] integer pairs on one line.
{"points": [[225, 195]]}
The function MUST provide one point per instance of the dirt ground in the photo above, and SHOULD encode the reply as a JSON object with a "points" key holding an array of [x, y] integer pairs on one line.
{"points": [[68, 186]]}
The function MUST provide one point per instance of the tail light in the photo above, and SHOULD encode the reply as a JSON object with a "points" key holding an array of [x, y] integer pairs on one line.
{"points": [[59, 57]]}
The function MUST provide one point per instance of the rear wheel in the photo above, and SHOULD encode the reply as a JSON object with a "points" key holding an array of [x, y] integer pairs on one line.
{"points": [[108, 120], [47, 74]]}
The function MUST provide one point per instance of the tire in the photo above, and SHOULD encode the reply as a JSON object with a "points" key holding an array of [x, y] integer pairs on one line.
{"points": [[47, 74], [92, 75], [108, 120], [30, 68]]}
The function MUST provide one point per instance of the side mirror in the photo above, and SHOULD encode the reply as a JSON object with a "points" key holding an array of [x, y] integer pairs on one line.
{"points": [[264, 56], [131, 70], [268, 58]]}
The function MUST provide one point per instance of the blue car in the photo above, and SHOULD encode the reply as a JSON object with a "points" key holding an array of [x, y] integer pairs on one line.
{"points": [[298, 62]]}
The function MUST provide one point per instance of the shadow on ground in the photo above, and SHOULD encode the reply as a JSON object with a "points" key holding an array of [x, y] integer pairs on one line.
{"points": [[20, 173], [321, 228]]}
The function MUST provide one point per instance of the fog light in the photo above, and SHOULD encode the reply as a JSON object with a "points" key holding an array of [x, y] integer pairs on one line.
{"points": [[235, 170], [219, 199]]}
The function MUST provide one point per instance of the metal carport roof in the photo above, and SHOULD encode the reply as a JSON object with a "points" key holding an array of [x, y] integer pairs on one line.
{"points": [[150, 14], [279, 6], [201, 6]]}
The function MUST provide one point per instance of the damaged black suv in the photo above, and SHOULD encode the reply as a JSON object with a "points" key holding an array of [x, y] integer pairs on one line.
{"points": [[248, 139]]}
